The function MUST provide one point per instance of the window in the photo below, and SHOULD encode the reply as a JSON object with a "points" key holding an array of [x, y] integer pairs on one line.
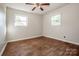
{"points": [[56, 20], [20, 20]]}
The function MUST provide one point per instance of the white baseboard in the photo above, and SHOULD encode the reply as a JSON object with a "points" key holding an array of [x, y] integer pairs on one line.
{"points": [[24, 38], [3, 49], [44, 36], [63, 40]]}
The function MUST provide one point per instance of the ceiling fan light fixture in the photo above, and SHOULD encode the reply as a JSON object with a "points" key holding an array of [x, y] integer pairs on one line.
{"points": [[39, 5]]}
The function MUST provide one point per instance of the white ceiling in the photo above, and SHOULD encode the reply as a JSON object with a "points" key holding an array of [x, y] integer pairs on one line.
{"points": [[28, 8]]}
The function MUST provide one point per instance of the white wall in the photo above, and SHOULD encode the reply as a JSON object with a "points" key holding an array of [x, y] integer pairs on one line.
{"points": [[2, 27], [33, 29], [69, 26]]}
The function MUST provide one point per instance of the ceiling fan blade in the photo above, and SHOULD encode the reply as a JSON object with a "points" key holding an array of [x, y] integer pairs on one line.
{"points": [[45, 4], [29, 3], [41, 9], [33, 8]]}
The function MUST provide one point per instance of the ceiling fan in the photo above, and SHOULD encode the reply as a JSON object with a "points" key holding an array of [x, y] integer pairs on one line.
{"points": [[39, 5]]}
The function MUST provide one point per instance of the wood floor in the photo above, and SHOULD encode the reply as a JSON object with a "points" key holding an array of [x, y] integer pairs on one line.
{"points": [[41, 46]]}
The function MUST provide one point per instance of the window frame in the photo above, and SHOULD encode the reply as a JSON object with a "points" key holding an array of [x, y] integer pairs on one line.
{"points": [[60, 20], [16, 23]]}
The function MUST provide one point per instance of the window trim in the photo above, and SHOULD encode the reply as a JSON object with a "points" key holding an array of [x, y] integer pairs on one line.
{"points": [[59, 20], [15, 21]]}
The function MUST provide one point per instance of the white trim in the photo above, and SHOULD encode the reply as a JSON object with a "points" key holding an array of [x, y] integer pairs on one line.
{"points": [[24, 38], [44, 36], [3, 49], [76, 43]]}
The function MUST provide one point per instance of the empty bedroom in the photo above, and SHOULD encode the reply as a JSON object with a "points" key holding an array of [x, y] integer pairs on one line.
{"points": [[39, 29]]}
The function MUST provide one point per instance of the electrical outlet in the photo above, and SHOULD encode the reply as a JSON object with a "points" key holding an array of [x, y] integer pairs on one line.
{"points": [[64, 36]]}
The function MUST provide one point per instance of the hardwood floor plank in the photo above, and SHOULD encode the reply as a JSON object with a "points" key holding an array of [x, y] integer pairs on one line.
{"points": [[41, 46]]}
